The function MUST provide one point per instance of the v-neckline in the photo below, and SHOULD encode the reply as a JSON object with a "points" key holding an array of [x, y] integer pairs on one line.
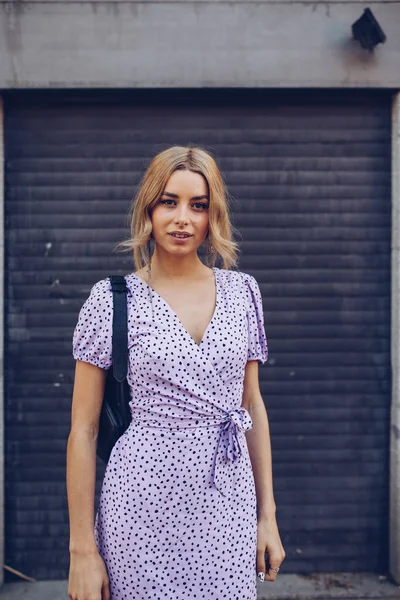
{"points": [[214, 269]]}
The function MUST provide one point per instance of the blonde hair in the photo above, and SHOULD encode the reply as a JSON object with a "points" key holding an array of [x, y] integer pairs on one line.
{"points": [[152, 185]]}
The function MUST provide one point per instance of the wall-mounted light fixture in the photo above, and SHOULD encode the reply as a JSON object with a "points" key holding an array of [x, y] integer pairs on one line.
{"points": [[368, 31]]}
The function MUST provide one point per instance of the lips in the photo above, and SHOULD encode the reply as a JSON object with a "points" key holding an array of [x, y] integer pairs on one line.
{"points": [[180, 236]]}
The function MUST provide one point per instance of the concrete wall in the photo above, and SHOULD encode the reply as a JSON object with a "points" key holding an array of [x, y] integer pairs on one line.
{"points": [[187, 43]]}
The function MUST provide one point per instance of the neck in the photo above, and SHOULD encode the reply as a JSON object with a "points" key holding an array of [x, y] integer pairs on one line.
{"points": [[175, 267]]}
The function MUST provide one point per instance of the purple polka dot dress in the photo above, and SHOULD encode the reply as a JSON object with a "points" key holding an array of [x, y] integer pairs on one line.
{"points": [[177, 516]]}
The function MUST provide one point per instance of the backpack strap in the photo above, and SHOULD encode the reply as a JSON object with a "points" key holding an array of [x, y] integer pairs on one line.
{"points": [[120, 327]]}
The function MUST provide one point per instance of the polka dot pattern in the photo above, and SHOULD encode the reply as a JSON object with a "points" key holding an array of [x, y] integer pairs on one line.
{"points": [[177, 512]]}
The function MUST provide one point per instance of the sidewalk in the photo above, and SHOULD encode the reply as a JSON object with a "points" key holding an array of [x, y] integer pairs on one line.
{"points": [[320, 586]]}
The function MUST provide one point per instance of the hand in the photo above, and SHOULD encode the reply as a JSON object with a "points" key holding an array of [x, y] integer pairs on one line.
{"points": [[269, 541], [88, 578]]}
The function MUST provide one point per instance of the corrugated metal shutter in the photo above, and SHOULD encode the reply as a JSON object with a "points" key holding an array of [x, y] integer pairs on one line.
{"points": [[310, 177]]}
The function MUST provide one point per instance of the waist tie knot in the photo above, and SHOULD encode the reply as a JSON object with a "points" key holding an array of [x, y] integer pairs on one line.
{"points": [[229, 448]]}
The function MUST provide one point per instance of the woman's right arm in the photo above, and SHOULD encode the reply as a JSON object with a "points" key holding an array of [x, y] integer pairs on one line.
{"points": [[88, 575]]}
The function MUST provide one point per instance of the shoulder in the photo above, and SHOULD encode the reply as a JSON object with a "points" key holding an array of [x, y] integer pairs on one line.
{"points": [[244, 286], [236, 278], [102, 289], [103, 286], [100, 293], [100, 299]]}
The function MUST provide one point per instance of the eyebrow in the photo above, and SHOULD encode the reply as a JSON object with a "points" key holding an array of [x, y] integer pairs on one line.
{"points": [[205, 197]]}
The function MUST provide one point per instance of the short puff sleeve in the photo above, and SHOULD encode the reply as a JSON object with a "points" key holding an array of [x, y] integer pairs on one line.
{"points": [[257, 347], [92, 337]]}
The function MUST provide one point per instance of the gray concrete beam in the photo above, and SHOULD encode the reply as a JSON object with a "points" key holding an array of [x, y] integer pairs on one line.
{"points": [[394, 519], [2, 338], [118, 44], [201, 1]]}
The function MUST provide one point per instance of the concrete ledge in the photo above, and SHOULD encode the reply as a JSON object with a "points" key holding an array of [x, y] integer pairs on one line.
{"points": [[163, 44], [319, 586]]}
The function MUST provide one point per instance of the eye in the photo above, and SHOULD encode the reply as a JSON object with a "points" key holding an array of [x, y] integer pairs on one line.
{"points": [[166, 201], [202, 205]]}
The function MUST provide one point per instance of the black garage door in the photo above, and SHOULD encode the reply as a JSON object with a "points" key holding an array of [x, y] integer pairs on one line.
{"points": [[310, 179]]}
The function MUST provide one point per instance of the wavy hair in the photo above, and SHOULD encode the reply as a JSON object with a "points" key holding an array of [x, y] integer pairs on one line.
{"points": [[152, 185]]}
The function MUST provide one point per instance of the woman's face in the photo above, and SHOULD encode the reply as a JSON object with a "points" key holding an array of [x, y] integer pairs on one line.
{"points": [[183, 207]]}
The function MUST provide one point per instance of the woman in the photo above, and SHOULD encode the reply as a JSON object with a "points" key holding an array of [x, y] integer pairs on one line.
{"points": [[186, 508]]}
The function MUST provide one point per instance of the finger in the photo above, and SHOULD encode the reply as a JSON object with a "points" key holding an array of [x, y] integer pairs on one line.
{"points": [[271, 575], [273, 563], [260, 564]]}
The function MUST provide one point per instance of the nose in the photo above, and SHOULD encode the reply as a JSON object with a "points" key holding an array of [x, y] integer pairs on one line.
{"points": [[181, 214]]}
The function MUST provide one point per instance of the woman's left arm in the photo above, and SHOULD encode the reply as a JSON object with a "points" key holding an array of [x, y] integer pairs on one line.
{"points": [[259, 445]]}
